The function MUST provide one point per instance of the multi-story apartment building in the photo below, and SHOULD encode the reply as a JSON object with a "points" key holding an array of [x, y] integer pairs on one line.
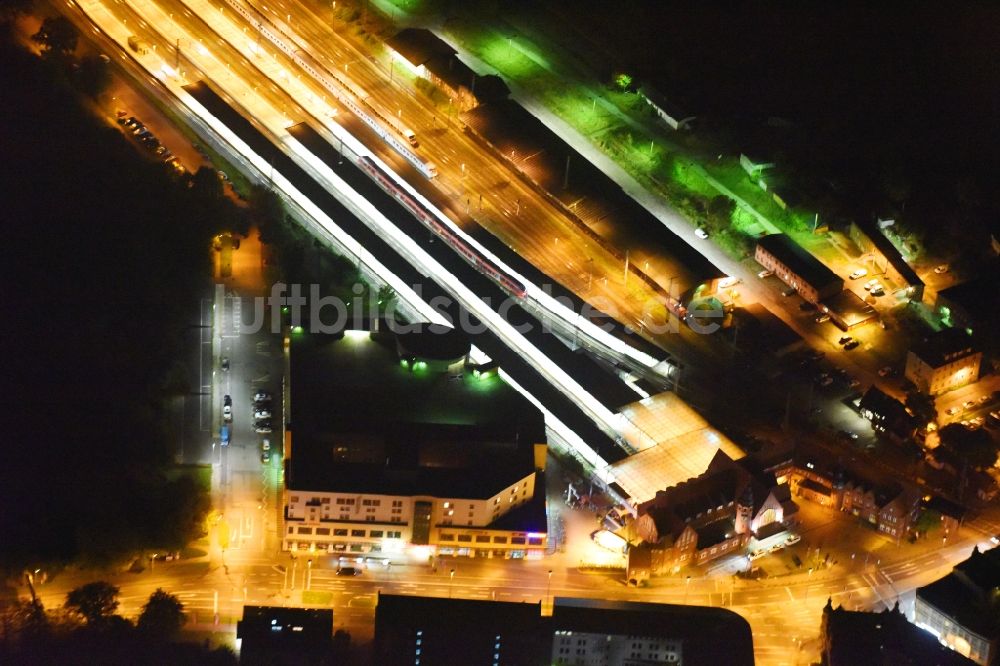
{"points": [[947, 359]]}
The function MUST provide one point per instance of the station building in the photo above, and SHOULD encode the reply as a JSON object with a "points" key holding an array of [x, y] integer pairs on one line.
{"points": [[392, 448], [728, 510]]}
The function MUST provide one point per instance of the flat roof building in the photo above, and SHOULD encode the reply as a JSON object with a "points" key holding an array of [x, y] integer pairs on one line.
{"points": [[434, 631], [848, 310], [945, 360], [974, 304], [673, 443], [384, 454], [794, 266], [276, 635]]}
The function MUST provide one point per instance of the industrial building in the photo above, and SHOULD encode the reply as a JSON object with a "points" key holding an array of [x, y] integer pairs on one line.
{"points": [[797, 268]]}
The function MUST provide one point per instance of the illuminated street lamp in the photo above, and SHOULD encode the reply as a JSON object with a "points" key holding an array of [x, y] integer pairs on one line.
{"points": [[548, 588], [451, 582]]}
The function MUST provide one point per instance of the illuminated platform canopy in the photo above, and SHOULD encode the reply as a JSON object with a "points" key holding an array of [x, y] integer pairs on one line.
{"points": [[674, 444]]}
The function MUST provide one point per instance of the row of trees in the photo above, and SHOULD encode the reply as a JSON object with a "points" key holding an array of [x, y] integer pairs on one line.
{"points": [[87, 629]]}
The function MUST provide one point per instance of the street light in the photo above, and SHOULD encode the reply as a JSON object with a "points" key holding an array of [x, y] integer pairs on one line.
{"points": [[309, 568], [451, 582], [548, 588]]}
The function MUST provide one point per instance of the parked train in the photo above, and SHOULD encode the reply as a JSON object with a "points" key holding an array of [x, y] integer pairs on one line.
{"points": [[431, 221], [345, 92]]}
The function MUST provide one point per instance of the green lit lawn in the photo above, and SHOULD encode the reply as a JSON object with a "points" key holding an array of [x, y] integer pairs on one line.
{"points": [[615, 122], [505, 54], [202, 474]]}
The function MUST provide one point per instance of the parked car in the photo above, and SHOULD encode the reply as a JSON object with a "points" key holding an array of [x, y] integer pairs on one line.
{"points": [[227, 412], [845, 339], [265, 444], [764, 274], [943, 268], [700, 233], [968, 404], [854, 383], [262, 427], [225, 363], [853, 344], [792, 540], [983, 399], [261, 396], [757, 554], [951, 411], [885, 372], [265, 456], [878, 290], [870, 284], [858, 274], [261, 414], [826, 381], [227, 400], [788, 291], [820, 318]]}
